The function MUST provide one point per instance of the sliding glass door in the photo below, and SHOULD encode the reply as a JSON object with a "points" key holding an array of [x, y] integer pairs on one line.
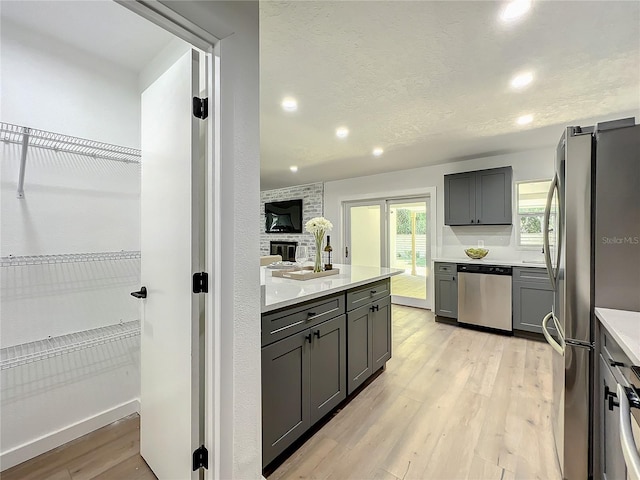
{"points": [[365, 236], [393, 233], [409, 249]]}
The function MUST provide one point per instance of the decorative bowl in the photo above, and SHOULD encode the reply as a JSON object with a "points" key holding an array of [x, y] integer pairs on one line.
{"points": [[476, 253]]}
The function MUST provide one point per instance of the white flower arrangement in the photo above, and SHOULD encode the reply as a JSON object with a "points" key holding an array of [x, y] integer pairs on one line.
{"points": [[318, 225]]}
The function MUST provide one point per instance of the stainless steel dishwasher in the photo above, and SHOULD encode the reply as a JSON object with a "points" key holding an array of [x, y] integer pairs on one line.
{"points": [[484, 296]]}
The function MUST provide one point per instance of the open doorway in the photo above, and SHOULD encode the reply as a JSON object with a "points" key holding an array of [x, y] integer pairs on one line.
{"points": [[78, 137]]}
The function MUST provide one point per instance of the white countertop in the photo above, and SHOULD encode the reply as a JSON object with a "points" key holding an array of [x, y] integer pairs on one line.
{"points": [[624, 327], [278, 292], [489, 261]]}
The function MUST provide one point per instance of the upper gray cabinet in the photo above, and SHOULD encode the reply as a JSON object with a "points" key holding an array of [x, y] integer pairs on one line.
{"points": [[478, 198]]}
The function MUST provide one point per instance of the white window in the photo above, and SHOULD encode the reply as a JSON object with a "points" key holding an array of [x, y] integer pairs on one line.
{"points": [[531, 198]]}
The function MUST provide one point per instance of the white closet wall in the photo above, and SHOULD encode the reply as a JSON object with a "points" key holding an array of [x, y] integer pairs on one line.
{"points": [[74, 204], [53, 86]]}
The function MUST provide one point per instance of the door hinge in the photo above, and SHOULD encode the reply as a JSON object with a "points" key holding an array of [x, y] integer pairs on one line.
{"points": [[200, 458], [201, 282], [200, 107]]}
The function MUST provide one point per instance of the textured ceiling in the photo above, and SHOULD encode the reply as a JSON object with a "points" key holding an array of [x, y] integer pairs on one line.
{"points": [[101, 27], [429, 81]]}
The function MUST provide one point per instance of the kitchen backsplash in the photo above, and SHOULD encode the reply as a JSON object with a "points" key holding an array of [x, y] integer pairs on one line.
{"points": [[500, 240], [312, 196]]}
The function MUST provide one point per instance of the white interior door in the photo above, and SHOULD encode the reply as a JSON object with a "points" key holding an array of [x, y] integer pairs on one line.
{"points": [[171, 356]]}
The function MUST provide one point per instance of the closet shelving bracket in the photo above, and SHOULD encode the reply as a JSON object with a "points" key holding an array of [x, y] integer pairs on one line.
{"points": [[30, 137]]}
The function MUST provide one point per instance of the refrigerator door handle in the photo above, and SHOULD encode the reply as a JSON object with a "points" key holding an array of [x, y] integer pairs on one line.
{"points": [[627, 442], [558, 347], [545, 234]]}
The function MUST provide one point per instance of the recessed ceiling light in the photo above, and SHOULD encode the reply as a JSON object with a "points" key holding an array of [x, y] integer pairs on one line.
{"points": [[289, 104], [525, 120], [514, 10], [377, 152], [293, 168], [342, 132], [521, 80]]}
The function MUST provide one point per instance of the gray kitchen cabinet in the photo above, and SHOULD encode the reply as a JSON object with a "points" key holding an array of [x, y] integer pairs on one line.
{"points": [[381, 329], [446, 290], [532, 299], [285, 394], [303, 379], [611, 458], [479, 198], [368, 341], [327, 367]]}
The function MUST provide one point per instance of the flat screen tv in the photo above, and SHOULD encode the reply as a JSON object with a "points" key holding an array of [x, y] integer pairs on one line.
{"points": [[283, 217]]}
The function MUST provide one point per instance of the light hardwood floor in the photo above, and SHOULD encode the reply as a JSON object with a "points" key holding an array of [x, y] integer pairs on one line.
{"points": [[406, 285], [452, 404], [110, 453]]}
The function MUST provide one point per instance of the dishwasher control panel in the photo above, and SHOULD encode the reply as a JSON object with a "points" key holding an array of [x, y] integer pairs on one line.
{"points": [[485, 269]]}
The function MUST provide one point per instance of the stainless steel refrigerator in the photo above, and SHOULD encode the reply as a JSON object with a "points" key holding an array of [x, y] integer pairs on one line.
{"points": [[592, 249]]}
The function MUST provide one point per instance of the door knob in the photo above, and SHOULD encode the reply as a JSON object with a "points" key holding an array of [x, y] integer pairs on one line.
{"points": [[142, 293]]}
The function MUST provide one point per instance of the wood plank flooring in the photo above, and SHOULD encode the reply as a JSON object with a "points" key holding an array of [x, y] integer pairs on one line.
{"points": [[453, 403], [110, 453]]}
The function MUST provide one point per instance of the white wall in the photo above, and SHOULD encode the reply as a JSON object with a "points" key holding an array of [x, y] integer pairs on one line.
{"points": [[237, 23], [49, 85], [72, 204], [451, 241]]}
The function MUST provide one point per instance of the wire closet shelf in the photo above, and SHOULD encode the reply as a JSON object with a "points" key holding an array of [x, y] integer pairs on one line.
{"points": [[26, 353], [22, 260], [10, 133]]}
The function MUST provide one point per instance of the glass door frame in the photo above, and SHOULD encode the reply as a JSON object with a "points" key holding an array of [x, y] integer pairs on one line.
{"points": [[382, 201], [400, 299], [346, 206]]}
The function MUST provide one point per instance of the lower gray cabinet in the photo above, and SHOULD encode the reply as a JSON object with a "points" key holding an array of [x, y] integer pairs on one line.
{"points": [[368, 341], [381, 330], [611, 457], [532, 299], [285, 394], [446, 290], [327, 371], [303, 379]]}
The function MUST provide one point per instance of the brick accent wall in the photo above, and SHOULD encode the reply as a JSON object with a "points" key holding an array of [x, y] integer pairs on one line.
{"points": [[312, 196]]}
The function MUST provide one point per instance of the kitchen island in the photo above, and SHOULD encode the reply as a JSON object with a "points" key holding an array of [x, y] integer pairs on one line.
{"points": [[321, 340]]}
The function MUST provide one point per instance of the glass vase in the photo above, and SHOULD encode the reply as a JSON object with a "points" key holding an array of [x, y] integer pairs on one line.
{"points": [[317, 266]]}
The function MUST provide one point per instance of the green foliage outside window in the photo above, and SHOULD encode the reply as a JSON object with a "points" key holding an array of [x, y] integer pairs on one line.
{"points": [[403, 222]]}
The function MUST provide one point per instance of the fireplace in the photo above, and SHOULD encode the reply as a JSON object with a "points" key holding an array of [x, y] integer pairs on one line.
{"points": [[287, 250]]}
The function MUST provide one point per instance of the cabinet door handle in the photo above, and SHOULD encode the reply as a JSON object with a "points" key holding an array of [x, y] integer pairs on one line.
{"points": [[478, 221], [610, 397], [311, 314], [375, 308], [308, 338], [613, 363], [373, 292], [317, 334], [472, 221]]}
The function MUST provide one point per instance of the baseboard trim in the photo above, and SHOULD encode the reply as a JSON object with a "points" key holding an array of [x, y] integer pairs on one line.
{"points": [[47, 442]]}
